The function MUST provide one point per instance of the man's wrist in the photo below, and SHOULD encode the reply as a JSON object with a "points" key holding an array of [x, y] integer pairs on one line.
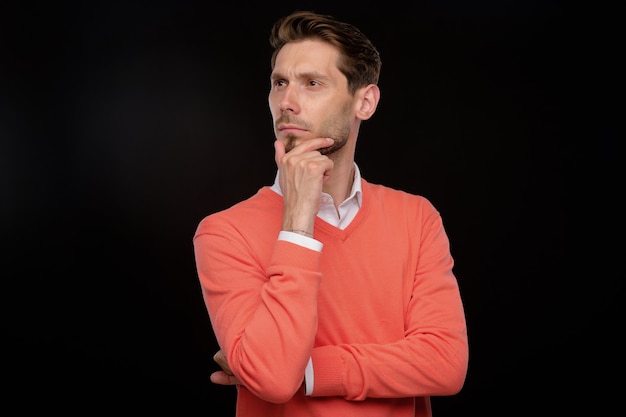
{"points": [[300, 232]]}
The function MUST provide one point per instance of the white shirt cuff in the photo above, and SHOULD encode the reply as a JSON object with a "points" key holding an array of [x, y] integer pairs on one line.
{"points": [[308, 378], [298, 239]]}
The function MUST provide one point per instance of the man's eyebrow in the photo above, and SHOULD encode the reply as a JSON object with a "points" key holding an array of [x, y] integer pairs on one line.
{"points": [[309, 75], [276, 76]]}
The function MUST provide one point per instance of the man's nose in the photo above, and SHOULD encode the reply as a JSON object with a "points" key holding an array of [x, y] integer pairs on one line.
{"points": [[289, 100]]}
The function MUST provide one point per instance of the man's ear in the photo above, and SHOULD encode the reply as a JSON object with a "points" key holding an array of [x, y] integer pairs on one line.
{"points": [[368, 101]]}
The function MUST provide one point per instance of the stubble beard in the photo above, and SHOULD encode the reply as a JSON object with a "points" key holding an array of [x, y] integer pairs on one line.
{"points": [[336, 128]]}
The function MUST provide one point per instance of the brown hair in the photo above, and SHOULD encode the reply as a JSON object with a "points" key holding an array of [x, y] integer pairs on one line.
{"points": [[359, 59]]}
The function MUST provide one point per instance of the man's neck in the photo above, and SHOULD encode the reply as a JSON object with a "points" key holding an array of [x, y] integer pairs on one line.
{"points": [[340, 182]]}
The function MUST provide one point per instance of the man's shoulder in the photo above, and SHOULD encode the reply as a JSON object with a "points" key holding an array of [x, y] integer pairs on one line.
{"points": [[262, 198], [396, 202], [255, 208], [386, 191]]}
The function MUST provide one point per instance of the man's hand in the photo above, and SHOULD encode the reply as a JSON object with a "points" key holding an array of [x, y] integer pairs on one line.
{"points": [[302, 173], [225, 376]]}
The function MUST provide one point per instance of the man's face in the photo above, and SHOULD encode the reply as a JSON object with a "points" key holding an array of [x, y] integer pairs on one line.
{"points": [[309, 96]]}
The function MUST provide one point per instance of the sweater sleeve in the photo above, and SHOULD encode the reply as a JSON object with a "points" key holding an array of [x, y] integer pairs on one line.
{"points": [[264, 316], [431, 358]]}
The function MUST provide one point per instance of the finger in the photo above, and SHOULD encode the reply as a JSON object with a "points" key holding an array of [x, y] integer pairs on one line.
{"points": [[222, 378], [305, 146], [220, 359], [312, 145], [279, 149]]}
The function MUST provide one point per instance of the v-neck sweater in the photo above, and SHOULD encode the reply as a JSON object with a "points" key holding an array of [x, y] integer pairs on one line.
{"points": [[378, 310]]}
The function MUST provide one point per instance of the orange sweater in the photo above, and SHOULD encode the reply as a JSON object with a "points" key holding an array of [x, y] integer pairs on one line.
{"points": [[378, 309]]}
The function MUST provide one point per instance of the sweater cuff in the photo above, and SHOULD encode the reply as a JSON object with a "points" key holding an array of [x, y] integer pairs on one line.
{"points": [[329, 368]]}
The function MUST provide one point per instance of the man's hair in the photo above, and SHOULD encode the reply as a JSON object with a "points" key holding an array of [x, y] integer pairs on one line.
{"points": [[359, 59]]}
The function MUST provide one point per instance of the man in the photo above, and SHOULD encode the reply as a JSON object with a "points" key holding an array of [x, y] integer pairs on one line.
{"points": [[330, 295]]}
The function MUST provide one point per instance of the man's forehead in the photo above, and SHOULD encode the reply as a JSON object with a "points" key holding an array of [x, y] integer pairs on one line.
{"points": [[308, 48], [304, 57]]}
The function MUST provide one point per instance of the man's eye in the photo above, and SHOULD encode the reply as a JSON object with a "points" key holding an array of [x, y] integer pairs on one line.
{"points": [[313, 83]]}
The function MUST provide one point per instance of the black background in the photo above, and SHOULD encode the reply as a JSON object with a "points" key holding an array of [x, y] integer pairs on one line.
{"points": [[122, 124]]}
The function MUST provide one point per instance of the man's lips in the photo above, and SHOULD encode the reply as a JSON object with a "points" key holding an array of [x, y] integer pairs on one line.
{"points": [[290, 128]]}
